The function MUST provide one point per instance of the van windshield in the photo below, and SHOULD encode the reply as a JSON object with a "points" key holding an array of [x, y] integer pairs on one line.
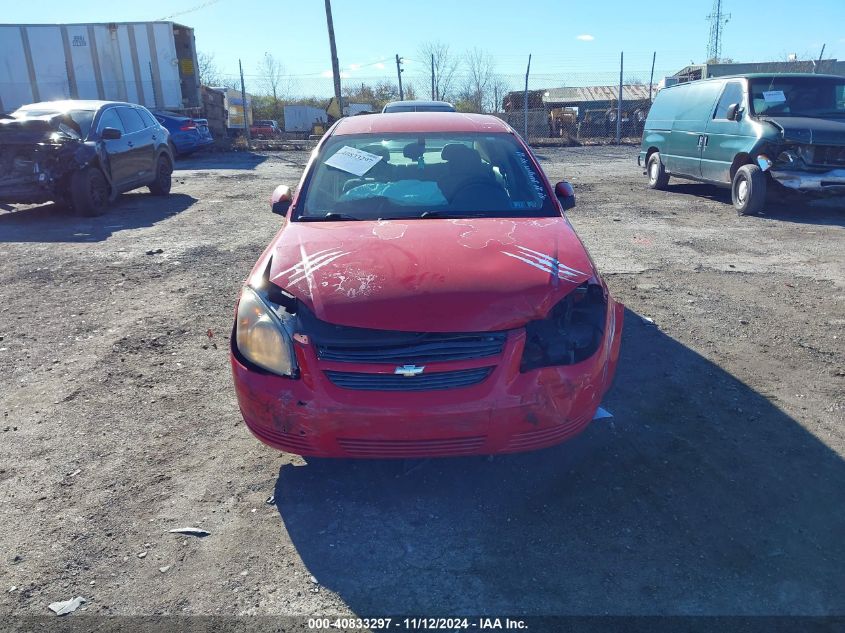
{"points": [[798, 96]]}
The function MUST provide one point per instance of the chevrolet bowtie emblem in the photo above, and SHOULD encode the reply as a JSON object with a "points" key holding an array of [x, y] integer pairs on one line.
{"points": [[408, 370]]}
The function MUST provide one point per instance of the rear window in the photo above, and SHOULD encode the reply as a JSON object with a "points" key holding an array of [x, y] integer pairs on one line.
{"points": [[408, 175]]}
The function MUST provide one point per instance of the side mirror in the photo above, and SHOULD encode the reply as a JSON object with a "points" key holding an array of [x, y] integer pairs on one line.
{"points": [[281, 199], [111, 134], [565, 195], [733, 112]]}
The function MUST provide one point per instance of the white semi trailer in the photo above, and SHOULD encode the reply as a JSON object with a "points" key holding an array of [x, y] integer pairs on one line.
{"points": [[150, 63]]}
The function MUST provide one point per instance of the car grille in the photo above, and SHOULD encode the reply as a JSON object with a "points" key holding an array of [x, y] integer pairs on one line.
{"points": [[421, 382], [412, 448], [425, 348], [829, 155]]}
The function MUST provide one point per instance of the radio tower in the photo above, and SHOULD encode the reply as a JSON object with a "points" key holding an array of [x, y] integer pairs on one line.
{"points": [[717, 22]]}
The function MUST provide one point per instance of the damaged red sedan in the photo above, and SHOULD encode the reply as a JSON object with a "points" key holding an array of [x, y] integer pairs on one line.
{"points": [[426, 296]]}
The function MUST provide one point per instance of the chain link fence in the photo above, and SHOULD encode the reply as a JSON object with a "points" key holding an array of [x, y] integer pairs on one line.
{"points": [[566, 107]]}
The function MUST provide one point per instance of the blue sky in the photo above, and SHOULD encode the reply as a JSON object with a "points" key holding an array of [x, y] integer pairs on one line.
{"points": [[571, 42]]}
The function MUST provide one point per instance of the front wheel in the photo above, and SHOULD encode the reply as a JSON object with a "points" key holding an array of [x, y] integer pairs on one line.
{"points": [[748, 190], [89, 192], [161, 185], [657, 176]]}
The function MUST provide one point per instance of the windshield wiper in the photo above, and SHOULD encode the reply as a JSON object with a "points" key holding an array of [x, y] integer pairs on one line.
{"points": [[330, 216], [450, 215]]}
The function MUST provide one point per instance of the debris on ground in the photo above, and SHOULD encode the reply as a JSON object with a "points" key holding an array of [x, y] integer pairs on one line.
{"points": [[271, 500], [164, 569], [157, 251], [190, 531], [67, 606], [647, 320]]}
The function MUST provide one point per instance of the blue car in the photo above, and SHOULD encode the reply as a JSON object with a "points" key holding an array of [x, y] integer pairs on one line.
{"points": [[186, 134]]}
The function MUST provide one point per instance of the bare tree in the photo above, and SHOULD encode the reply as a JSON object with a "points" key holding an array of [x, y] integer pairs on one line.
{"points": [[477, 87], [272, 82], [498, 88], [207, 69], [445, 66]]}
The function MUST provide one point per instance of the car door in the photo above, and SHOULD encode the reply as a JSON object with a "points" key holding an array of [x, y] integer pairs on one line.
{"points": [[116, 149], [687, 139], [141, 150], [723, 138]]}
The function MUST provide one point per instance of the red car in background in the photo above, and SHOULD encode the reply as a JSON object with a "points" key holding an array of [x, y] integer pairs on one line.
{"points": [[426, 296]]}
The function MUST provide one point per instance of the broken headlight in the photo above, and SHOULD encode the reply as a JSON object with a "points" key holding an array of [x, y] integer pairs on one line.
{"points": [[571, 333], [262, 333]]}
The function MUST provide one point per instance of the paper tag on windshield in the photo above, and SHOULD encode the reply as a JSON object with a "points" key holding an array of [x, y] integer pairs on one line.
{"points": [[353, 161], [774, 96]]}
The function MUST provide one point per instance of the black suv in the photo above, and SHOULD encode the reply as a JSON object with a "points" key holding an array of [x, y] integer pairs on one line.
{"points": [[82, 154]]}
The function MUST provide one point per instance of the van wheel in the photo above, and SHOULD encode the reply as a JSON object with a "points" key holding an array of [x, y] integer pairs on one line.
{"points": [[748, 190], [657, 176], [89, 192], [161, 185]]}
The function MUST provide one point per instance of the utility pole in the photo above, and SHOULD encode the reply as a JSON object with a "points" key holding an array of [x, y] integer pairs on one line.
{"points": [[399, 74], [433, 95], [651, 80], [525, 101], [335, 64], [619, 104], [243, 106], [816, 66]]}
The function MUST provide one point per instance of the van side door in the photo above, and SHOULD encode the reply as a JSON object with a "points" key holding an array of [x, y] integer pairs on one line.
{"points": [[683, 157], [724, 138]]}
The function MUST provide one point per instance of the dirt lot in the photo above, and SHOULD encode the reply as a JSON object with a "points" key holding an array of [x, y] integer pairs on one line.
{"points": [[718, 487]]}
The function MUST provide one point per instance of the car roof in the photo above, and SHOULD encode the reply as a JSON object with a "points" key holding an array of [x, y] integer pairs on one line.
{"points": [[759, 76], [420, 122], [72, 104], [419, 102]]}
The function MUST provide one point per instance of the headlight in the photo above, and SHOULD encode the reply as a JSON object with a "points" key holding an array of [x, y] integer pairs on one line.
{"points": [[261, 334], [571, 333]]}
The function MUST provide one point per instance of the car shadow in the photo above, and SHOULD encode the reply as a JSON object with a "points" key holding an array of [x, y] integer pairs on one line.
{"points": [[829, 211], [219, 160], [700, 496], [51, 223]]}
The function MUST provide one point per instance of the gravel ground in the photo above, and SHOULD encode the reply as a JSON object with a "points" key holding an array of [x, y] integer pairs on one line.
{"points": [[718, 487]]}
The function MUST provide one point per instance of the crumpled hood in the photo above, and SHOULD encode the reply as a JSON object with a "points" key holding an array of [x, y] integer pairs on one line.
{"points": [[38, 129], [810, 130], [430, 275]]}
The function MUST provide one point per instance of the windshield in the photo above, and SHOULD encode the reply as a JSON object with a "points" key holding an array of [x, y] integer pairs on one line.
{"points": [[82, 118], [798, 96], [409, 175]]}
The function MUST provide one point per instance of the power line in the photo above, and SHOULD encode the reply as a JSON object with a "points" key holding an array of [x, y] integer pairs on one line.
{"points": [[191, 10]]}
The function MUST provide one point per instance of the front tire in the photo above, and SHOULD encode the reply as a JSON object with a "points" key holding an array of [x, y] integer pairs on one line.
{"points": [[161, 185], [657, 176], [89, 192], [748, 190]]}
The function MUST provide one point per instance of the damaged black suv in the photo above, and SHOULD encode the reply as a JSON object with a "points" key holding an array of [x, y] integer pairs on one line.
{"points": [[81, 154]]}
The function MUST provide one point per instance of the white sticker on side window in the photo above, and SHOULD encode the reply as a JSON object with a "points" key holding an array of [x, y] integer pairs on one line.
{"points": [[353, 161], [774, 96]]}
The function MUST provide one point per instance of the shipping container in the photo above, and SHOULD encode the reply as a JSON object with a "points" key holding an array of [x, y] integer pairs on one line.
{"points": [[150, 63]]}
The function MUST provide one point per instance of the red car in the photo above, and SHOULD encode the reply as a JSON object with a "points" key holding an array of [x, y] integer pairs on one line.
{"points": [[426, 296]]}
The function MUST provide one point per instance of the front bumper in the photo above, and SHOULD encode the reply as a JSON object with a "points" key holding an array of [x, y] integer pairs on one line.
{"points": [[506, 413], [828, 181]]}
